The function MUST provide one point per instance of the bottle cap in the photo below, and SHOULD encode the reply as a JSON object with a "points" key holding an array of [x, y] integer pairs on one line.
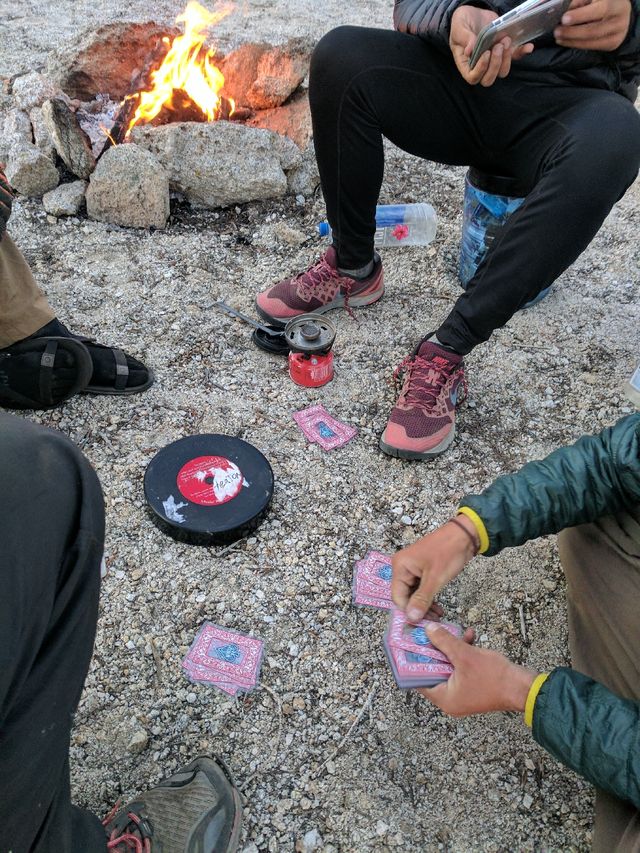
{"points": [[324, 229]]}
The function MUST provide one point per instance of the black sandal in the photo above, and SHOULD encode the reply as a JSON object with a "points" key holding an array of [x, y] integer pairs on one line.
{"points": [[123, 364], [41, 373]]}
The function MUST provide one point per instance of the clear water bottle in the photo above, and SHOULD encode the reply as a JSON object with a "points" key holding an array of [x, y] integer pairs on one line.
{"points": [[489, 200], [399, 225], [632, 387]]}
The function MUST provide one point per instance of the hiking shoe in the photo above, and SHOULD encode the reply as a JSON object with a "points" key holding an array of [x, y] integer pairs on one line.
{"points": [[197, 810], [422, 423], [318, 290]]}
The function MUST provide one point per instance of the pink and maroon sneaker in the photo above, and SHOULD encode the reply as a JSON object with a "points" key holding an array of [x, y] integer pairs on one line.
{"points": [[319, 289], [422, 423]]}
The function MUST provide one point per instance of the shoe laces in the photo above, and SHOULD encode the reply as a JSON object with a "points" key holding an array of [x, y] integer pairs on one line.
{"points": [[317, 276], [134, 834], [425, 379]]}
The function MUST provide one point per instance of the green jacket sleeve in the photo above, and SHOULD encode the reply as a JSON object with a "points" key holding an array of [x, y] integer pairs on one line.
{"points": [[598, 475], [592, 731]]}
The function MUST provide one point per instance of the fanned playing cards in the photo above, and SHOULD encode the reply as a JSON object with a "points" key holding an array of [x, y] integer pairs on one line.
{"points": [[228, 660], [414, 660], [372, 581], [322, 428]]}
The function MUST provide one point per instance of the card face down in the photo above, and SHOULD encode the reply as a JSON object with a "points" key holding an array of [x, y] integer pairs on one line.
{"points": [[227, 659], [322, 428]]}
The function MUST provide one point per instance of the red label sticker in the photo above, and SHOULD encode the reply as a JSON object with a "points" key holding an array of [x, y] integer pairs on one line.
{"points": [[209, 480]]}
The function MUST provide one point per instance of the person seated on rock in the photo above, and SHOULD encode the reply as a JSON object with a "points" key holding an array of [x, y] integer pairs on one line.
{"points": [[560, 121], [587, 717], [52, 544], [42, 363]]}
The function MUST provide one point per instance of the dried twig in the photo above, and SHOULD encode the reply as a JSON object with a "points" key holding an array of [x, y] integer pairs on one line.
{"points": [[523, 627], [276, 743], [366, 706]]}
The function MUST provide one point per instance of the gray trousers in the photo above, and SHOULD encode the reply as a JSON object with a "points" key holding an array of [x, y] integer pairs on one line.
{"points": [[602, 566]]}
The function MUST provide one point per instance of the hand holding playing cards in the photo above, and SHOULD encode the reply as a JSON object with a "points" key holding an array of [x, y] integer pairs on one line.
{"points": [[482, 680], [421, 570]]}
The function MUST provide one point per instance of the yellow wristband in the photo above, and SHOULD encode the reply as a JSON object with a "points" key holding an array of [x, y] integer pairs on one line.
{"points": [[478, 523], [538, 681]]}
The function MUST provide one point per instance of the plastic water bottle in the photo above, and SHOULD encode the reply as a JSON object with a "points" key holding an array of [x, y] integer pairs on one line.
{"points": [[399, 225], [632, 387], [489, 200]]}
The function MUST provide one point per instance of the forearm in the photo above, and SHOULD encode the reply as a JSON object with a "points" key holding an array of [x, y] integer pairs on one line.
{"points": [[597, 476], [592, 731]]}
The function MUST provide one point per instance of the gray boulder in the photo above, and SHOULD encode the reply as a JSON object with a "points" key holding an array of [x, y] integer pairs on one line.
{"points": [[65, 200], [71, 142], [30, 172], [221, 163], [129, 187], [15, 130], [41, 135], [33, 89]]}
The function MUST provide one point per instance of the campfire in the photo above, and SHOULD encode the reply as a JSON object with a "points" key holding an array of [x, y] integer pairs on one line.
{"points": [[141, 113], [187, 81]]}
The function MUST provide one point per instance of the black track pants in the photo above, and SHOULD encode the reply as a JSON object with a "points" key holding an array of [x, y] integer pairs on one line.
{"points": [[577, 149], [51, 544]]}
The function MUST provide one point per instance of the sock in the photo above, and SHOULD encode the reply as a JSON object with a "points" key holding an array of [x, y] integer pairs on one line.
{"points": [[434, 339], [361, 272]]}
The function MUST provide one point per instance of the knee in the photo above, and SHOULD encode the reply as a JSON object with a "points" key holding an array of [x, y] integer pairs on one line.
{"points": [[333, 58], [609, 152]]}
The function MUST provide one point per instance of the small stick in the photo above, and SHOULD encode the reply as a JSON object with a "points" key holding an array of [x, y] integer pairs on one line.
{"points": [[362, 712], [523, 627], [157, 662], [276, 743]]}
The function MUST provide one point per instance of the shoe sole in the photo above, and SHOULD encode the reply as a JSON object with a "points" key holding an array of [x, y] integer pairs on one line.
{"points": [[354, 302], [400, 453]]}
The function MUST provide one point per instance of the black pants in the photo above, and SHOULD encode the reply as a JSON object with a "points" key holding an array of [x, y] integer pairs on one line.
{"points": [[51, 544], [577, 149]]}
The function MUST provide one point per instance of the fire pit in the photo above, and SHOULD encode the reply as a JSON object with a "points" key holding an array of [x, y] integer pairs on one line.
{"points": [[137, 112]]}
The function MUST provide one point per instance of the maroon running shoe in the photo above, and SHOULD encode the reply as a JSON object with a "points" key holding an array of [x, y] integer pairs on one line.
{"points": [[319, 289], [422, 423]]}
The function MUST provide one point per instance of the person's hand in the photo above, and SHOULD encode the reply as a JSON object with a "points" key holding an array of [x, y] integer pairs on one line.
{"points": [[597, 25], [422, 569], [482, 681], [466, 23], [6, 200]]}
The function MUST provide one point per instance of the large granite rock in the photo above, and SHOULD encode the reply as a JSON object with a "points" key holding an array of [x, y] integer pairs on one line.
{"points": [[129, 187], [30, 172], [113, 59], [15, 130], [280, 71], [71, 142], [221, 163], [33, 89]]}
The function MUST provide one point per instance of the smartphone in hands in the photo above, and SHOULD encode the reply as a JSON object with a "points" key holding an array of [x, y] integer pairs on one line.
{"points": [[522, 24]]}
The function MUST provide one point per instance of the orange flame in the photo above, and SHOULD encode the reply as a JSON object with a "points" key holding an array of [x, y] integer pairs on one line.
{"points": [[187, 67]]}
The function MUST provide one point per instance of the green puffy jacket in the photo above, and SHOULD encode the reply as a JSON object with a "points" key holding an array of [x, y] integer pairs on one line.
{"points": [[576, 719]]}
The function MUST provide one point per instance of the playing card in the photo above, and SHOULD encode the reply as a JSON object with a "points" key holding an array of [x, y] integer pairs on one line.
{"points": [[372, 590], [413, 638], [209, 675], [361, 600], [322, 428], [375, 568], [234, 656], [209, 678], [411, 670]]}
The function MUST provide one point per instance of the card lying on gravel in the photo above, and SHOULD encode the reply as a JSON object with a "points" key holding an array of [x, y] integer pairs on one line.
{"points": [[226, 659], [413, 658], [372, 581], [323, 429]]}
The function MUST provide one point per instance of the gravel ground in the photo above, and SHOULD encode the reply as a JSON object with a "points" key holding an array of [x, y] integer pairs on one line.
{"points": [[404, 777]]}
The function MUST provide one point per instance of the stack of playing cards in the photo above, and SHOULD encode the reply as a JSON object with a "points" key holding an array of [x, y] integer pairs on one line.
{"points": [[321, 428], [372, 581], [415, 661], [226, 659]]}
